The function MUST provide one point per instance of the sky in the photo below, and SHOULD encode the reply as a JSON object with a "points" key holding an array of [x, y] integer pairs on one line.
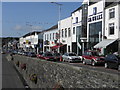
{"points": [[19, 18]]}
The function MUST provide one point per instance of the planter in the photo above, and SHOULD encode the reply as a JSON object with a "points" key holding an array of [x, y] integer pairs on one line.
{"points": [[23, 66], [33, 78], [17, 63]]}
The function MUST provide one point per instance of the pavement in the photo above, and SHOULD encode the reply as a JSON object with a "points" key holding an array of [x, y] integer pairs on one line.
{"points": [[10, 78]]}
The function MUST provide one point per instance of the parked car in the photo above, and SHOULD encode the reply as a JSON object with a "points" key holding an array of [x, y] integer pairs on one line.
{"points": [[112, 61], [57, 56], [47, 56], [32, 54], [92, 57], [14, 52], [39, 54], [71, 57], [20, 52], [25, 53]]}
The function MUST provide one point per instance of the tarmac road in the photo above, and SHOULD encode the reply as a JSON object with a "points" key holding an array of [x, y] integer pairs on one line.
{"points": [[10, 77]]}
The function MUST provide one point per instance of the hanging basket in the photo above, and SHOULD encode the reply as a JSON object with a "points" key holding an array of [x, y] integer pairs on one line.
{"points": [[17, 63], [33, 78], [23, 66]]}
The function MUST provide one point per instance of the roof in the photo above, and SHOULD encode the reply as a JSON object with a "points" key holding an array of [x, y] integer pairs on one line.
{"points": [[77, 9], [104, 43], [31, 33], [52, 28], [110, 4]]}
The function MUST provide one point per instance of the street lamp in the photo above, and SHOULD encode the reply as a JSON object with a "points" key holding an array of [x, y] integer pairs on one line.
{"points": [[59, 5]]}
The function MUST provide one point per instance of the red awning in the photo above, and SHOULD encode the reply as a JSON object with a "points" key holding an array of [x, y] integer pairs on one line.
{"points": [[56, 46]]}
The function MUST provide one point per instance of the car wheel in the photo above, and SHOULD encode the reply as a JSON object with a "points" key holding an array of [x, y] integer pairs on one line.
{"points": [[119, 67], [106, 65], [84, 62], [93, 63]]}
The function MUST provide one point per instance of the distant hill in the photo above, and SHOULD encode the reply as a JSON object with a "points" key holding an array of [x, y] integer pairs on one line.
{"points": [[5, 40]]}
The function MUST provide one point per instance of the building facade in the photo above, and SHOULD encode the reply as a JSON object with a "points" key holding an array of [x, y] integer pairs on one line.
{"points": [[30, 41], [95, 24], [50, 38], [65, 34], [112, 26], [79, 29]]}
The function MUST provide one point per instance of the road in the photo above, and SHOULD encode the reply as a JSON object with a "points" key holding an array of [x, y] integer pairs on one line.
{"points": [[10, 77]]}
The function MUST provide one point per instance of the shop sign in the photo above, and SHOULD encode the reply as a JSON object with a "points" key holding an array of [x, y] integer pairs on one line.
{"points": [[95, 16]]}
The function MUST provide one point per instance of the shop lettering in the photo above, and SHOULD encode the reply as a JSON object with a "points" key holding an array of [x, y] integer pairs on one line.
{"points": [[94, 18]]}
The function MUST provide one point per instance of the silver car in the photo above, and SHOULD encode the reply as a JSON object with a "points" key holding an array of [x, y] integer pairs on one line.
{"points": [[71, 57]]}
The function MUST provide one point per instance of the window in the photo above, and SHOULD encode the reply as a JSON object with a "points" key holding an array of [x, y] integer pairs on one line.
{"points": [[50, 36], [69, 32], [94, 29], [45, 36], [62, 32], [76, 19], [53, 36], [73, 30], [111, 28], [65, 32], [112, 13], [69, 50]]}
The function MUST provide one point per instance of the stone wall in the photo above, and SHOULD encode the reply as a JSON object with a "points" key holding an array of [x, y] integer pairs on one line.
{"points": [[51, 74]]}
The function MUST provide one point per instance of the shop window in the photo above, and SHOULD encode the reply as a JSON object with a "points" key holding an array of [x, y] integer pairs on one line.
{"points": [[68, 48]]}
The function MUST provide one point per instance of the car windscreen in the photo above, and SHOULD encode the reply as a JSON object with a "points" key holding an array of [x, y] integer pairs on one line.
{"points": [[40, 53], [49, 54], [57, 54], [72, 54], [32, 53], [95, 54]]}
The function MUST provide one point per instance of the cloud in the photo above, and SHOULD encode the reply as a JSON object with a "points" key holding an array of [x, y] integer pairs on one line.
{"points": [[18, 27], [37, 28]]}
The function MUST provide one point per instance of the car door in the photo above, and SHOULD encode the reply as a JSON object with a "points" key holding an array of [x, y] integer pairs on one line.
{"points": [[66, 57], [114, 61], [88, 58], [109, 60], [63, 56]]}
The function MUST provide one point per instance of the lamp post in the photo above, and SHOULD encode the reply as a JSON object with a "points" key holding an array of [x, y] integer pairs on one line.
{"points": [[59, 5]]}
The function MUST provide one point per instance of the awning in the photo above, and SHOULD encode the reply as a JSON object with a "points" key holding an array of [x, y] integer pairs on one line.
{"points": [[104, 43], [56, 46]]}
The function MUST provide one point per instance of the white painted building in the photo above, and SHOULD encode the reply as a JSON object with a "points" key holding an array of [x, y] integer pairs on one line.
{"points": [[50, 38], [103, 26], [29, 42], [79, 28], [112, 21], [65, 34], [95, 25]]}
